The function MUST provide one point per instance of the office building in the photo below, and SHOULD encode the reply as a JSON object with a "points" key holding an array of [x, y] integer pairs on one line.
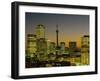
{"points": [[72, 47], [40, 31], [31, 45], [41, 49], [52, 47], [48, 46], [62, 49], [85, 50]]}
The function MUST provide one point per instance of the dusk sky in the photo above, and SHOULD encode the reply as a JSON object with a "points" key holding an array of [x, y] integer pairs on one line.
{"points": [[71, 27]]}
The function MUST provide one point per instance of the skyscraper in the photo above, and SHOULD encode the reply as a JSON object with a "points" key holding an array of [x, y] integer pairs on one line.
{"points": [[40, 31], [85, 50], [41, 49], [52, 47], [72, 47], [31, 44], [62, 49], [48, 46]]}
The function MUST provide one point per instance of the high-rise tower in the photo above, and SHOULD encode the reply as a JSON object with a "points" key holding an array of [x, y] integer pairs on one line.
{"points": [[31, 44], [57, 41], [85, 50], [62, 45], [40, 31], [57, 31]]}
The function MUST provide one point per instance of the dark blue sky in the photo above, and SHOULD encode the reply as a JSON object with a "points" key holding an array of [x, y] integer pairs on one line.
{"points": [[71, 27]]}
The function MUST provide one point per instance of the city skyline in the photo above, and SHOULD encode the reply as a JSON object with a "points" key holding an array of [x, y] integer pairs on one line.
{"points": [[71, 27]]}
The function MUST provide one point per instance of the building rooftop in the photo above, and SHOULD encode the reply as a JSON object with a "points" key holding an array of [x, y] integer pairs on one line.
{"points": [[86, 35], [40, 26]]}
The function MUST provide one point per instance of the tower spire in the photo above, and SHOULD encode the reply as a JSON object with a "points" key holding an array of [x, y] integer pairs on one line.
{"points": [[57, 31]]}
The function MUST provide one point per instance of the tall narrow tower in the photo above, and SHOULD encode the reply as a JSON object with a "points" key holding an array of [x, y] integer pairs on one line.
{"points": [[57, 31], [57, 41]]}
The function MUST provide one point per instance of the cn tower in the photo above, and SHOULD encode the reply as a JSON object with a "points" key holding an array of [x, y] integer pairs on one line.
{"points": [[57, 40], [57, 31]]}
